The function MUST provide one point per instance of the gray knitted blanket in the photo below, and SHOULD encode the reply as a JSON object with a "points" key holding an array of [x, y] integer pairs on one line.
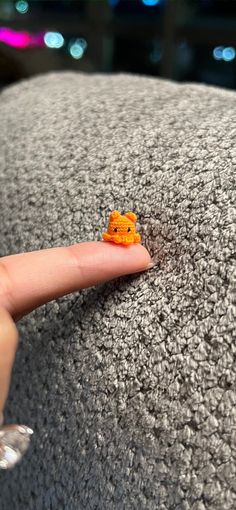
{"points": [[131, 386]]}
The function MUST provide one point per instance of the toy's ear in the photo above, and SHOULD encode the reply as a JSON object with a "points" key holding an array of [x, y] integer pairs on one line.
{"points": [[114, 215], [131, 216]]}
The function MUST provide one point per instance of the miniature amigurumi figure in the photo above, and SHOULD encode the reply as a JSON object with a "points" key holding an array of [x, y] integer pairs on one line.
{"points": [[122, 229]]}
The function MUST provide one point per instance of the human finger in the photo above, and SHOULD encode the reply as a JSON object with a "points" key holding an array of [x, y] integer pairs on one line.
{"points": [[8, 345], [29, 280]]}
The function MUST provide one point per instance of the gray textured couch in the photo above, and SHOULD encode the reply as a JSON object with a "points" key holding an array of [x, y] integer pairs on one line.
{"points": [[131, 386]]}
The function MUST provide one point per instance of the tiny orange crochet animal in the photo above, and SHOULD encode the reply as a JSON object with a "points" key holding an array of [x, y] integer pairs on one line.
{"points": [[121, 229]]}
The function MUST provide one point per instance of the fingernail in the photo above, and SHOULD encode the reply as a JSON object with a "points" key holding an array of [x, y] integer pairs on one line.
{"points": [[150, 265]]}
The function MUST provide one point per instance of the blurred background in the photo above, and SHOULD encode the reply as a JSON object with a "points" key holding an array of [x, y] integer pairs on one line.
{"points": [[184, 40]]}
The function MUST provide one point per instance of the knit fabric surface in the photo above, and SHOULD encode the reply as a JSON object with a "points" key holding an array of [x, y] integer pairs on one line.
{"points": [[130, 387]]}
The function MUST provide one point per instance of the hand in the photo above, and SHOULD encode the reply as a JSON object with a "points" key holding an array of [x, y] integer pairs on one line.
{"points": [[29, 280]]}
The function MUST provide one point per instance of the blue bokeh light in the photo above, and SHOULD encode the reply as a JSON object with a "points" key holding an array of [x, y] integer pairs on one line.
{"points": [[22, 6], [217, 52], [150, 3], [77, 48], [228, 54], [54, 40]]}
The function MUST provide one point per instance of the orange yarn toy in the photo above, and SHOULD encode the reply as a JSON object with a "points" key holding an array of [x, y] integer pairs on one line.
{"points": [[121, 229]]}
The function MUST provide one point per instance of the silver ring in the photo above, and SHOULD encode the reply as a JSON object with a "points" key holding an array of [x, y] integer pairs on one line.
{"points": [[14, 441]]}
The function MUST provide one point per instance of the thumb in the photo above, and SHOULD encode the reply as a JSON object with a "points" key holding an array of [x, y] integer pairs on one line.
{"points": [[8, 345]]}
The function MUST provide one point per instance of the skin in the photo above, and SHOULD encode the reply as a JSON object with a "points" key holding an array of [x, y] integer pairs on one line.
{"points": [[29, 280]]}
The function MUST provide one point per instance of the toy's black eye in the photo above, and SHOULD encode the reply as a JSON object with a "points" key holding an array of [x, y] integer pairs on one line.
{"points": [[128, 229], [115, 229]]}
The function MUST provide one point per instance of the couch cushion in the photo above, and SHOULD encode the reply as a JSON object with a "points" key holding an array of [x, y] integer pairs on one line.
{"points": [[131, 386]]}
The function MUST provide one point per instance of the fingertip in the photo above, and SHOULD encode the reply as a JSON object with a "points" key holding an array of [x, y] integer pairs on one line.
{"points": [[129, 259]]}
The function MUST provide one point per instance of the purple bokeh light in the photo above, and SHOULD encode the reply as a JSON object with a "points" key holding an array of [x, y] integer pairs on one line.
{"points": [[21, 40]]}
